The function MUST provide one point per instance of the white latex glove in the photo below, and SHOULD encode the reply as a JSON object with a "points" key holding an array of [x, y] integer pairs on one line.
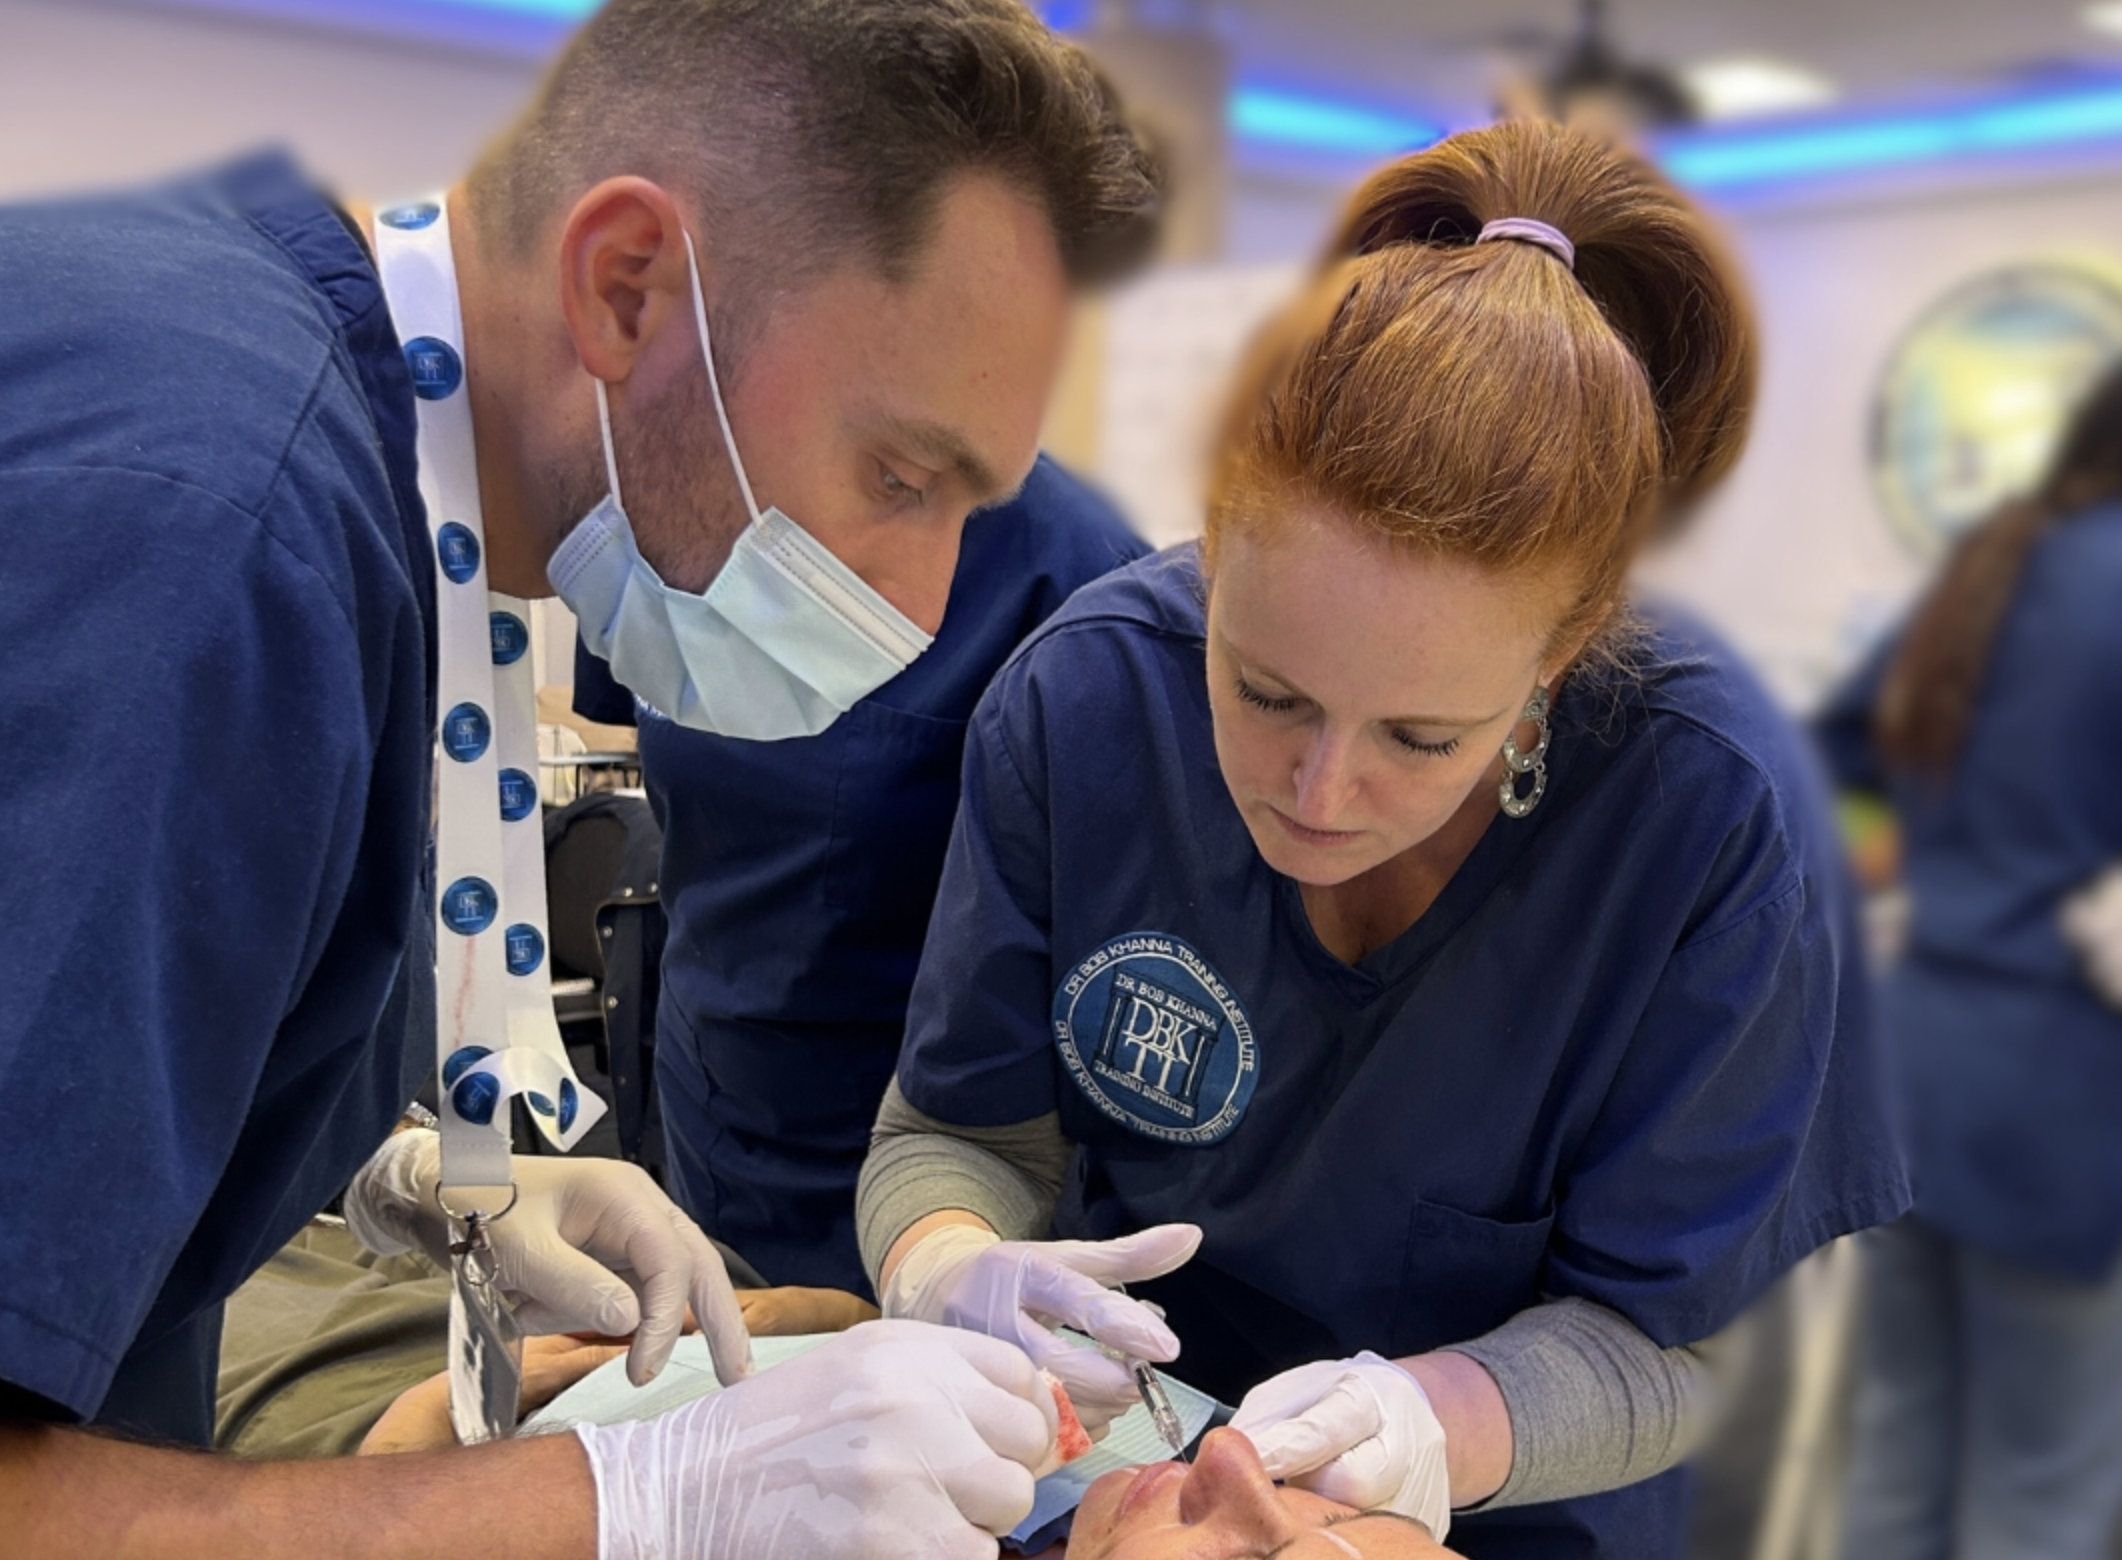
{"points": [[1359, 1431], [2092, 924], [895, 1441], [592, 1245], [1020, 1290]]}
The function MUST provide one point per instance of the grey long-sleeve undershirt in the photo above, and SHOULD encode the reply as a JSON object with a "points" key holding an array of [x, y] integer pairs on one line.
{"points": [[1593, 1403]]}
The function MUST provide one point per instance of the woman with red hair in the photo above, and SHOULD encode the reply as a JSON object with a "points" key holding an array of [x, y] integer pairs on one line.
{"points": [[1371, 898]]}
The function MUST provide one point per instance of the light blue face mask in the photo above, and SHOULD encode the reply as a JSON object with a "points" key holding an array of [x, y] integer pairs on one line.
{"points": [[783, 643]]}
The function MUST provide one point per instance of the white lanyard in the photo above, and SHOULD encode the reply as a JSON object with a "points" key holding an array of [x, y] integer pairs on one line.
{"points": [[495, 1034]]}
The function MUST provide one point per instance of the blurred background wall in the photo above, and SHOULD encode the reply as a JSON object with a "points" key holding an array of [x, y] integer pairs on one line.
{"points": [[1270, 110], [92, 94]]}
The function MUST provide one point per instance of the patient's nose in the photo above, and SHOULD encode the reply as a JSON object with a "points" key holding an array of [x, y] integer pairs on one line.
{"points": [[1228, 1488]]}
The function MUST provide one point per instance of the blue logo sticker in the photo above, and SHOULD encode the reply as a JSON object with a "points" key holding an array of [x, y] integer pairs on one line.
{"points": [[457, 550], [526, 948], [461, 1058], [1157, 1040], [509, 635], [466, 732], [411, 218], [469, 906], [519, 796], [569, 1103], [435, 366], [476, 1097]]}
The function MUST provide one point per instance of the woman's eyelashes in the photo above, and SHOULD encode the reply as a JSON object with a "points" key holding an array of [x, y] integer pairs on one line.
{"points": [[1259, 700], [1415, 744], [1283, 704]]}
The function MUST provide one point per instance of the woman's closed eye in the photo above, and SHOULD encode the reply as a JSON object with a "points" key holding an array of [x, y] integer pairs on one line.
{"points": [[1283, 703], [1415, 744], [1278, 705]]}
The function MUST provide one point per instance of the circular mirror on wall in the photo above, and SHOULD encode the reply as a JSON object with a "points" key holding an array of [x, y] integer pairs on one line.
{"points": [[1977, 392]]}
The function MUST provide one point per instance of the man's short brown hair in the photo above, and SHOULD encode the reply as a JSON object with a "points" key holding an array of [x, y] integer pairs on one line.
{"points": [[815, 131]]}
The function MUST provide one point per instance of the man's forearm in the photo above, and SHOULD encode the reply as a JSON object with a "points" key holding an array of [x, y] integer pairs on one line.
{"points": [[64, 1494]]}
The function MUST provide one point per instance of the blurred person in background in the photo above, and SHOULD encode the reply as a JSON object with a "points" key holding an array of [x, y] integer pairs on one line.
{"points": [[798, 878], [1989, 1408], [215, 817]]}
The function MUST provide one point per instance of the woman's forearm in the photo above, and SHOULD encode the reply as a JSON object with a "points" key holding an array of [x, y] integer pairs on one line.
{"points": [[927, 1225], [1572, 1397], [1006, 1179], [1476, 1420]]}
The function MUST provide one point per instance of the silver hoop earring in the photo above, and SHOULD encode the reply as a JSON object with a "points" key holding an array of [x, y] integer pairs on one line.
{"points": [[1534, 763]]}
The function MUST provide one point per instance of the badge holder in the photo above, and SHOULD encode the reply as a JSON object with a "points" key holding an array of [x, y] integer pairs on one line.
{"points": [[486, 1345]]}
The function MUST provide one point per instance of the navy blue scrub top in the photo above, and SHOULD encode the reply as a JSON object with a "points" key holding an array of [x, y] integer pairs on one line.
{"points": [[215, 716], [1624, 1056], [798, 877], [2008, 1065]]}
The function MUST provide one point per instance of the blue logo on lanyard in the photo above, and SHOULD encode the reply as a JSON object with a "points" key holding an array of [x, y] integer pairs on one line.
{"points": [[1157, 1040], [526, 948], [411, 218], [466, 732], [510, 637], [519, 796], [457, 550], [570, 1102], [469, 906], [476, 1097], [461, 1058], [435, 367]]}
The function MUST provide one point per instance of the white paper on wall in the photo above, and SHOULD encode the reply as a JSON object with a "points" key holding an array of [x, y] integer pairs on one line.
{"points": [[1172, 342]]}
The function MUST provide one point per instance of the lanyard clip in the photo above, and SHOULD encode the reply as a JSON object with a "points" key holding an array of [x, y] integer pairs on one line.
{"points": [[474, 1253], [475, 1241]]}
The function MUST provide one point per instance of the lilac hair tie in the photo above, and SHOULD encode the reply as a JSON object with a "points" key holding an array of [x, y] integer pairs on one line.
{"points": [[1526, 231]]}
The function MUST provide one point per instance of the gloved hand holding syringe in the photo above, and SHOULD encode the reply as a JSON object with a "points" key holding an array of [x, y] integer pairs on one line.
{"points": [[965, 1275], [1147, 1382]]}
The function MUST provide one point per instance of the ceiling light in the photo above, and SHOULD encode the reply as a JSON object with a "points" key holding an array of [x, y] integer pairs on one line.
{"points": [[1742, 86], [1325, 124], [2102, 16], [2033, 122]]}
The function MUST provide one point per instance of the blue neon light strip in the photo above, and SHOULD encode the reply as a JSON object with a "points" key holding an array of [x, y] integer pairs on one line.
{"points": [[549, 10], [1322, 125], [1737, 159]]}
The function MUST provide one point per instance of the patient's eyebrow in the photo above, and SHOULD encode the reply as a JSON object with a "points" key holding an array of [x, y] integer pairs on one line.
{"points": [[1360, 1516]]}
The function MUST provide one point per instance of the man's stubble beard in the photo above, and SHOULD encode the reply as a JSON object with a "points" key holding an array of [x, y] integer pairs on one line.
{"points": [[676, 485]]}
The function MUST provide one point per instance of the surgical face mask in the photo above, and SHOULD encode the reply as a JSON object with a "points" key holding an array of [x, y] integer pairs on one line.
{"points": [[784, 642]]}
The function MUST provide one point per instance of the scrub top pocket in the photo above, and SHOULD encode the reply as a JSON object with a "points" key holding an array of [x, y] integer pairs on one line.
{"points": [[894, 797], [1464, 1275]]}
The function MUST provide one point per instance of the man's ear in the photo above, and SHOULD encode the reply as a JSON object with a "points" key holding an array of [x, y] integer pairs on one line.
{"points": [[622, 273]]}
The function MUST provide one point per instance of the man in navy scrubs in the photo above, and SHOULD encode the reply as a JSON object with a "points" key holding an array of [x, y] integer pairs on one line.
{"points": [[799, 876], [217, 707]]}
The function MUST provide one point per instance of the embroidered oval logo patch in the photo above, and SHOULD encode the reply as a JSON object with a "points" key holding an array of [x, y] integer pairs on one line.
{"points": [[1157, 1040]]}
